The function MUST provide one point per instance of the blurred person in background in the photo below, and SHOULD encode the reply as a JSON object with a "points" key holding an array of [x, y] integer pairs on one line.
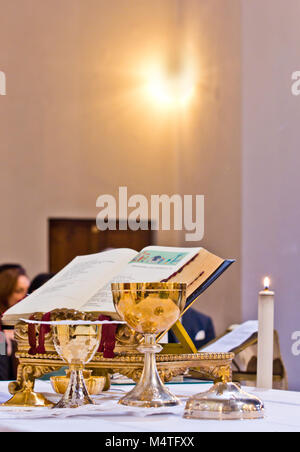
{"points": [[14, 285], [39, 281]]}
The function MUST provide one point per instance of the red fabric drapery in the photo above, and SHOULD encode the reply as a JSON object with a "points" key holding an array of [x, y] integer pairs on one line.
{"points": [[107, 344], [108, 338]]}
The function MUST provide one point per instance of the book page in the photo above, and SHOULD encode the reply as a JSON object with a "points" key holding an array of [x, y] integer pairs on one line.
{"points": [[152, 264], [234, 339], [76, 283]]}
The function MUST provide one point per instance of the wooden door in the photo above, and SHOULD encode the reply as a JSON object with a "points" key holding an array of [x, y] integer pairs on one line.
{"points": [[69, 238]]}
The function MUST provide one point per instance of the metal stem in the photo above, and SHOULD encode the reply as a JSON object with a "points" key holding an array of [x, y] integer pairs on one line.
{"points": [[76, 394], [150, 391]]}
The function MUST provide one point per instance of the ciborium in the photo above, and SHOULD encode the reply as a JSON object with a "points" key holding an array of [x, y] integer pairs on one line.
{"points": [[76, 343], [224, 401], [149, 309]]}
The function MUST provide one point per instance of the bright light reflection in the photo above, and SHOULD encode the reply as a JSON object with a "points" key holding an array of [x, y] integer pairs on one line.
{"points": [[170, 90]]}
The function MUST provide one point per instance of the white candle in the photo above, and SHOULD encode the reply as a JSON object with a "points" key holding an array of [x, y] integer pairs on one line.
{"points": [[265, 337]]}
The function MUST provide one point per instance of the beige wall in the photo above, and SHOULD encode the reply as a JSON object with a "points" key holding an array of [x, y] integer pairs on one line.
{"points": [[211, 152], [76, 123]]}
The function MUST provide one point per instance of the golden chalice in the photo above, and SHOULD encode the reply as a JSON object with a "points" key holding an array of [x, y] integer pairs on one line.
{"points": [[76, 343], [149, 308]]}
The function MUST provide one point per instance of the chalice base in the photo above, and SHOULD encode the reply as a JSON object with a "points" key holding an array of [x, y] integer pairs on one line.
{"points": [[76, 394], [224, 401], [150, 397], [150, 392], [28, 398]]}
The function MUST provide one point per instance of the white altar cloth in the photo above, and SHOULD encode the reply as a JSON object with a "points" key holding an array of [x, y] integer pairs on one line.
{"points": [[282, 414]]}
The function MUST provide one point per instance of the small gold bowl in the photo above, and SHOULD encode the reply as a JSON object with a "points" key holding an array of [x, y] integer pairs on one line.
{"points": [[95, 385]]}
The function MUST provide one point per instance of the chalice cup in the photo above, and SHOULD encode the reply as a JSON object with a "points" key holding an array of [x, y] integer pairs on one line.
{"points": [[149, 309], [76, 344]]}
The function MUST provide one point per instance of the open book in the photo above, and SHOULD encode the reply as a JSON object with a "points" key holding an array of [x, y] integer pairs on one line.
{"points": [[85, 284]]}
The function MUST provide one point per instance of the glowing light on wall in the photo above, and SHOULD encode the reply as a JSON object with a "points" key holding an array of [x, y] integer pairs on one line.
{"points": [[170, 89]]}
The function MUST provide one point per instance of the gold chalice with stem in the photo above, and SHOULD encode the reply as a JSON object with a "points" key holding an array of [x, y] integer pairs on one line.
{"points": [[76, 343], [150, 309]]}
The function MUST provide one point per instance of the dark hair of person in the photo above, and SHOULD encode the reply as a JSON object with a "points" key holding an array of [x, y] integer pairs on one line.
{"points": [[8, 281], [39, 281], [5, 267]]}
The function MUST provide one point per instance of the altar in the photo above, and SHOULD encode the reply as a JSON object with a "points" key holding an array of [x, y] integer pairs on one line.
{"points": [[282, 415]]}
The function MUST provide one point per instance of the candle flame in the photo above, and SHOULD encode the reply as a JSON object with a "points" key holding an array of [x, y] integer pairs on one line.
{"points": [[267, 283]]}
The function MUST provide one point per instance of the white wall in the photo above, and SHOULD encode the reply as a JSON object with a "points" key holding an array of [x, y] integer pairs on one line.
{"points": [[271, 161]]}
